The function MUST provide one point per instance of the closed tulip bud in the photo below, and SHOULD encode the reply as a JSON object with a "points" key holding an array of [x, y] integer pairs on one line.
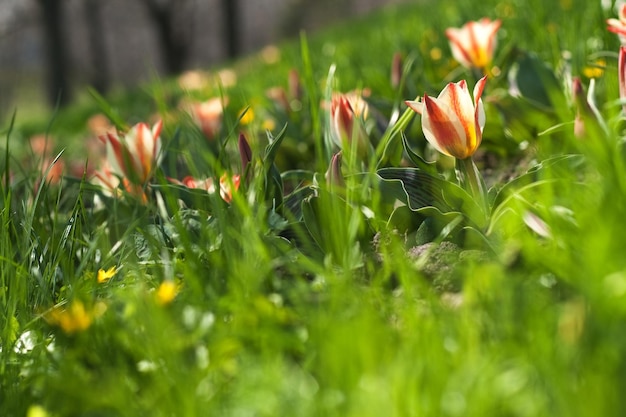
{"points": [[295, 86], [396, 70], [348, 113], [588, 119], [226, 185], [245, 152], [621, 64], [334, 177], [208, 116]]}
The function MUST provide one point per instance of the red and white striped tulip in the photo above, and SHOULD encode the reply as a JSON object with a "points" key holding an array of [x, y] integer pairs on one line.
{"points": [[348, 113], [473, 44], [621, 68], [588, 119], [208, 115], [618, 25], [112, 185], [453, 123], [135, 155]]}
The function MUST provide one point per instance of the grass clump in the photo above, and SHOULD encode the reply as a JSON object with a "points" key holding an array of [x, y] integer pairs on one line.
{"points": [[298, 242]]}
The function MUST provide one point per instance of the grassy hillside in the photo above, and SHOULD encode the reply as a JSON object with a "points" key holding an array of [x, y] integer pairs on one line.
{"points": [[245, 256]]}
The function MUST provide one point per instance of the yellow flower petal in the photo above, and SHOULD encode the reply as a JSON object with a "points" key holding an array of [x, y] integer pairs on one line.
{"points": [[247, 117], [166, 292], [75, 318], [104, 276], [36, 411]]}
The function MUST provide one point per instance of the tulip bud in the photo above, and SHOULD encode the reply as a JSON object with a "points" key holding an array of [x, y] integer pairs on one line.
{"points": [[348, 113], [588, 119], [245, 152], [334, 177], [396, 70], [621, 64], [295, 87]]}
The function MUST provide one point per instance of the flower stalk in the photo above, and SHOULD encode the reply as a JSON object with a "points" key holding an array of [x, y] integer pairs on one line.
{"points": [[472, 181]]}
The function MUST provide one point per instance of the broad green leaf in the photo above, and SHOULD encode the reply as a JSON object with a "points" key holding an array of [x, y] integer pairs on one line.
{"points": [[419, 162], [550, 166], [419, 189], [537, 82]]}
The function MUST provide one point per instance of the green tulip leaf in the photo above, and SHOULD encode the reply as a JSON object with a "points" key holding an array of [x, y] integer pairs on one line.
{"points": [[418, 190]]}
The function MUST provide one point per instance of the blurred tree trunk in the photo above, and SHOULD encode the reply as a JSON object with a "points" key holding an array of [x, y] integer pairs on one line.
{"points": [[174, 40], [231, 27], [99, 77], [52, 20]]}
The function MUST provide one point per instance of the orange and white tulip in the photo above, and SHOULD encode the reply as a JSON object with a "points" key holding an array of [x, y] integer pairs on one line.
{"points": [[135, 155], [453, 123], [473, 44], [588, 119], [208, 115], [618, 25], [621, 68]]}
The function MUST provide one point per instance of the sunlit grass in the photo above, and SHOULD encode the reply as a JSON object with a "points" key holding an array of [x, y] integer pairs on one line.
{"points": [[372, 286]]}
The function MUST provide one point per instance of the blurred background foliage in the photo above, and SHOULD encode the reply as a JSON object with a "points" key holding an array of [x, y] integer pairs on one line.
{"points": [[264, 327]]}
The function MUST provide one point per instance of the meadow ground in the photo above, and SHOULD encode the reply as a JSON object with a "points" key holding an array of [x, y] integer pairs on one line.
{"points": [[404, 215]]}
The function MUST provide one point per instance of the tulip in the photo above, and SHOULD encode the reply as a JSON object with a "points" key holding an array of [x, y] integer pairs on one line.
{"points": [[295, 86], [111, 184], [245, 153], [348, 113], [396, 70], [588, 119], [226, 185], [334, 177], [208, 116], [452, 123], [473, 44], [619, 25], [135, 155], [621, 66]]}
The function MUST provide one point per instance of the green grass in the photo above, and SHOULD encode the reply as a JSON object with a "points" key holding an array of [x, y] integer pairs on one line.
{"points": [[305, 298]]}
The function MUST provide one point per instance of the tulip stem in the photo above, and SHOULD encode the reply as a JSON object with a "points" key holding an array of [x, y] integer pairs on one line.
{"points": [[470, 179]]}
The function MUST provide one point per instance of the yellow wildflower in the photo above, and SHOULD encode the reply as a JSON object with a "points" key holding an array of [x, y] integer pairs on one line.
{"points": [[269, 124], [104, 276], [166, 292], [435, 54], [36, 411], [75, 318], [247, 117], [595, 69]]}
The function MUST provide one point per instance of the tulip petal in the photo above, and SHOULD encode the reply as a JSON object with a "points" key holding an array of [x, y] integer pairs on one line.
{"points": [[621, 64], [479, 116], [417, 106], [156, 136], [442, 128]]}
